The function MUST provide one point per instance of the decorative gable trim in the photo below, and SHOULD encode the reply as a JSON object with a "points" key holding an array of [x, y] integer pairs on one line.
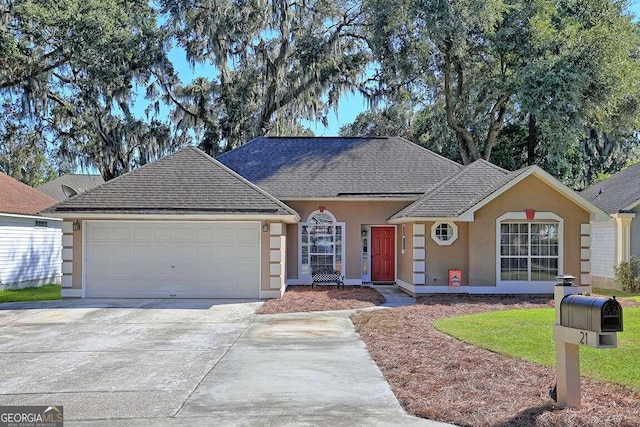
{"points": [[597, 214]]}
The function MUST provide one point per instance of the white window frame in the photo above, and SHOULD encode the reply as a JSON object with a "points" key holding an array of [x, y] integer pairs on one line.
{"points": [[306, 277], [521, 217], [454, 232]]}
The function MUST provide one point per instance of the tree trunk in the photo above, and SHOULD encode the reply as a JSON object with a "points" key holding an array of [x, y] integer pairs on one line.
{"points": [[532, 140], [497, 118], [464, 151]]}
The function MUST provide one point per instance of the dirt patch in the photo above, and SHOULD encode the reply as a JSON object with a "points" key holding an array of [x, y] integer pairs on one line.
{"points": [[438, 377], [322, 298]]}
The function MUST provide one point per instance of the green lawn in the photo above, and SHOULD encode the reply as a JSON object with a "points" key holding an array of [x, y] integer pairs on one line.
{"points": [[528, 334], [612, 292], [46, 292]]}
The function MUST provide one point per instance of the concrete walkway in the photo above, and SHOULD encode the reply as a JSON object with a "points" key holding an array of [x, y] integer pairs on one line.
{"points": [[298, 369], [394, 297]]}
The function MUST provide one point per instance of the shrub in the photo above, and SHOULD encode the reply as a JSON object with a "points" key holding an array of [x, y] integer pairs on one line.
{"points": [[627, 275]]}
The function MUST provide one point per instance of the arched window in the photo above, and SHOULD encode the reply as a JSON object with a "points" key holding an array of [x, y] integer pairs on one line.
{"points": [[321, 242]]}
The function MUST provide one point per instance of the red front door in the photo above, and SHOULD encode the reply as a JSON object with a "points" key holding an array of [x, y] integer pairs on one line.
{"points": [[383, 254]]}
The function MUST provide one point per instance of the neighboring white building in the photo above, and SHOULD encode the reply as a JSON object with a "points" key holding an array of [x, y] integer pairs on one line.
{"points": [[30, 244], [618, 239]]}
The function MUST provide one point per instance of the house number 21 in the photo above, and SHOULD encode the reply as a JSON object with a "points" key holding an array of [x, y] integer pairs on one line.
{"points": [[584, 338]]}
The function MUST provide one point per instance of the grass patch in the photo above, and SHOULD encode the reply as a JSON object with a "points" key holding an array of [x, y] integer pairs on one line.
{"points": [[617, 293], [528, 334], [41, 293]]}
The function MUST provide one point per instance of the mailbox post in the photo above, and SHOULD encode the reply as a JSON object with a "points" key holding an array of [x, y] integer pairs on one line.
{"points": [[580, 320], [567, 354]]}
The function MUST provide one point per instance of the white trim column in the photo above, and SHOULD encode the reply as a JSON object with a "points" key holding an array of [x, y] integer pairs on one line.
{"points": [[419, 254], [276, 256], [585, 254], [623, 227], [67, 254]]}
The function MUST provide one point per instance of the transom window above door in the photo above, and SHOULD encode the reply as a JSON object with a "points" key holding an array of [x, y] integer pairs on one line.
{"points": [[321, 242]]}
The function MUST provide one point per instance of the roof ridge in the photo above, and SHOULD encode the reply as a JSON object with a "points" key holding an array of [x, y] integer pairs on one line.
{"points": [[413, 206], [117, 178], [440, 156], [241, 178], [440, 186], [487, 162], [493, 188], [257, 138]]}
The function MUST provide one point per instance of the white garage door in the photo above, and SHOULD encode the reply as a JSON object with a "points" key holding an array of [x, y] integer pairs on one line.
{"points": [[172, 259]]}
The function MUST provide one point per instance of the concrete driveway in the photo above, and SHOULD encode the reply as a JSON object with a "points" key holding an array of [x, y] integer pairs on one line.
{"points": [[201, 362]]}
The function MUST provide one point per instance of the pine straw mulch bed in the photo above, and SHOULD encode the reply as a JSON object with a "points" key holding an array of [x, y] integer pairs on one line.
{"points": [[438, 377], [322, 298]]}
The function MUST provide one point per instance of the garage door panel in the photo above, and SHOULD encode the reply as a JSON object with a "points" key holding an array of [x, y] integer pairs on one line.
{"points": [[183, 233], [188, 260], [122, 253], [142, 234], [99, 232], [121, 233], [161, 234], [247, 235], [205, 234]]}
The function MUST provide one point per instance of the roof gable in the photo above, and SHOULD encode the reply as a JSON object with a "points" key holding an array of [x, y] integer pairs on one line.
{"points": [[321, 167], [78, 182], [515, 177], [619, 192], [187, 181], [475, 187], [19, 198]]}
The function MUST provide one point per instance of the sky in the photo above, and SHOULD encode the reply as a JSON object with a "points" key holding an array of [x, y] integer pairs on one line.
{"points": [[350, 105]]}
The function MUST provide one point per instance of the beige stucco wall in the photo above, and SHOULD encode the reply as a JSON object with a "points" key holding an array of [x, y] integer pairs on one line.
{"points": [[441, 259], [531, 193], [354, 214]]}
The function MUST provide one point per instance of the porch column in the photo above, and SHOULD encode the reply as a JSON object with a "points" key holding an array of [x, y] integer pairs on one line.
{"points": [[419, 254], [623, 227]]}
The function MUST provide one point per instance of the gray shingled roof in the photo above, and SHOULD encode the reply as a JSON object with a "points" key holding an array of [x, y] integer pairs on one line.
{"points": [[617, 192], [79, 182], [187, 181], [315, 167], [459, 192]]}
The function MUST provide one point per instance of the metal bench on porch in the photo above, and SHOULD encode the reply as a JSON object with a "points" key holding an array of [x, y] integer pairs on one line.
{"points": [[326, 274]]}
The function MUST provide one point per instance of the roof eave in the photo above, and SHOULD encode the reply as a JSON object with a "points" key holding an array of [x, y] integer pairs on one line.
{"points": [[28, 216], [286, 218], [409, 219], [349, 199], [632, 205]]}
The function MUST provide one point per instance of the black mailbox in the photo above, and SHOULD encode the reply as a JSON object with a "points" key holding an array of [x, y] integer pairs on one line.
{"points": [[595, 314]]}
